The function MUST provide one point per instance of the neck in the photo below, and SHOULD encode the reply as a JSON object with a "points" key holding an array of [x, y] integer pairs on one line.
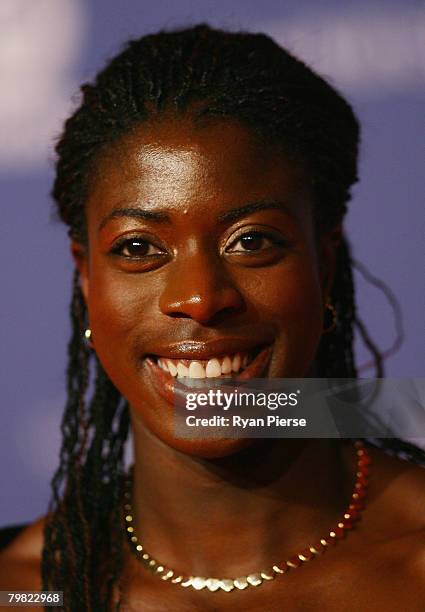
{"points": [[240, 513]]}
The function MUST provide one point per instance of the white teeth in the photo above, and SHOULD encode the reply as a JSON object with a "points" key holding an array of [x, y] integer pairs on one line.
{"points": [[236, 363], [196, 370], [213, 368], [172, 368], [226, 365], [182, 370], [162, 365]]}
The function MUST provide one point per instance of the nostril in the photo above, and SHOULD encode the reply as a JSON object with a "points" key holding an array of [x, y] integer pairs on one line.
{"points": [[204, 311], [224, 313]]}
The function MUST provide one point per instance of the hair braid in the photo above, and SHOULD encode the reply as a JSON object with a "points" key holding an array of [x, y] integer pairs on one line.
{"points": [[80, 530], [335, 356]]}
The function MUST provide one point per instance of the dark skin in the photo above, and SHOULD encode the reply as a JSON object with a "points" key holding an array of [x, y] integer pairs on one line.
{"points": [[229, 507]]}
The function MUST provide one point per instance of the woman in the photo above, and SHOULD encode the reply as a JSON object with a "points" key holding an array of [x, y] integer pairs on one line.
{"points": [[204, 180]]}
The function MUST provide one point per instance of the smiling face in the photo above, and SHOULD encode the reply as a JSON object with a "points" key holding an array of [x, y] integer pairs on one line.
{"points": [[202, 261]]}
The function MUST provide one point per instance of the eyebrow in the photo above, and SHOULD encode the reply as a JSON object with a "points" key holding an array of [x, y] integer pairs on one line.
{"points": [[135, 213], [162, 217], [237, 213]]}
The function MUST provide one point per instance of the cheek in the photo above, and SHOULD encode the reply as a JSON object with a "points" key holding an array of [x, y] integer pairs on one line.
{"points": [[292, 300], [116, 310]]}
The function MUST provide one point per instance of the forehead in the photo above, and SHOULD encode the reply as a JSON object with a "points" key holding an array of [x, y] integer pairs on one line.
{"points": [[170, 162]]}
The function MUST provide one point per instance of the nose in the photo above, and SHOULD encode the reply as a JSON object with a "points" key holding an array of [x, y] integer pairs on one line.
{"points": [[200, 288]]}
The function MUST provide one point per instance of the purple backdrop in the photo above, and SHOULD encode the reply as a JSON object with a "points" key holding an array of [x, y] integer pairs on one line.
{"points": [[371, 51]]}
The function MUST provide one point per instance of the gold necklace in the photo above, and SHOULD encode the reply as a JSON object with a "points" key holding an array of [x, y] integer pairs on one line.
{"points": [[351, 515]]}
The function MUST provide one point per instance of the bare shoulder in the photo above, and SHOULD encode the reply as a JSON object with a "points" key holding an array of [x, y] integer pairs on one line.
{"points": [[20, 561], [396, 514], [400, 485]]}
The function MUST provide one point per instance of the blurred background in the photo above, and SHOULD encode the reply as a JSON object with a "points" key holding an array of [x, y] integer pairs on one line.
{"points": [[372, 51]]}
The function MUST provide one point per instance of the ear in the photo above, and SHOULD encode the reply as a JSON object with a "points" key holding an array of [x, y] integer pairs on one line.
{"points": [[80, 257], [328, 246]]}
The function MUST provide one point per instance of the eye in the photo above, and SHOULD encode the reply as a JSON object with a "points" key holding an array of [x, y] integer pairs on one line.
{"points": [[254, 242], [136, 247]]}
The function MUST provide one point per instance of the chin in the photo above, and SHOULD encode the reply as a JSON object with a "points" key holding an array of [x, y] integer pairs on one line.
{"points": [[162, 432], [208, 449]]}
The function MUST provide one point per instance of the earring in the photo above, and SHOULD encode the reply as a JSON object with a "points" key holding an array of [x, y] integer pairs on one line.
{"points": [[329, 306], [89, 337]]}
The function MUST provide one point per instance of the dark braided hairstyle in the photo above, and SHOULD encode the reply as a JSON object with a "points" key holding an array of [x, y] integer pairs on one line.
{"points": [[209, 74]]}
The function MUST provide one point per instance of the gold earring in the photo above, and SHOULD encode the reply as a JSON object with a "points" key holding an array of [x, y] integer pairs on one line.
{"points": [[333, 312], [89, 337]]}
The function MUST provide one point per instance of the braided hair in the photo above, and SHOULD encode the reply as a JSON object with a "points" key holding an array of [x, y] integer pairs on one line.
{"points": [[213, 74]]}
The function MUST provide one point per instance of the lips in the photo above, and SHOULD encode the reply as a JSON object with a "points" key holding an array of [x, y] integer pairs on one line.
{"points": [[168, 383]]}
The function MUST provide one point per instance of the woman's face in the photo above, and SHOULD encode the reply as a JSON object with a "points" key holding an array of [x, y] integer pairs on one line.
{"points": [[202, 257]]}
